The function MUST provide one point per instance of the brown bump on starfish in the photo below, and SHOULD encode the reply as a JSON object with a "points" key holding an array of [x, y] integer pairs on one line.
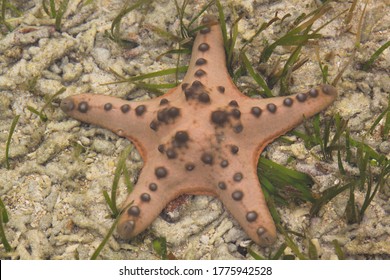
{"points": [[233, 103], [261, 231], [237, 177], [238, 128], [237, 195], [256, 111], [222, 185], [236, 113], [153, 187], [287, 102], [207, 158], [181, 137], [133, 211], [189, 93], [125, 108], [184, 86], [173, 112], [161, 172], [197, 84], [145, 197], [224, 163], [271, 107], [204, 97], [190, 166], [204, 47], [164, 101], [171, 153], [219, 117], [251, 216], [200, 61], [83, 107], [161, 148], [234, 149], [313, 92], [140, 110], [167, 114], [154, 125], [199, 73], [301, 97], [107, 107], [162, 115], [221, 89]]}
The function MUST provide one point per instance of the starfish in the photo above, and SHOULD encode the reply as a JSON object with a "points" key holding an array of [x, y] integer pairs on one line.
{"points": [[202, 137]]}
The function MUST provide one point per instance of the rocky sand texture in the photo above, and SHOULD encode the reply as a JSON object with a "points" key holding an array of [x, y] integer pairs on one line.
{"points": [[60, 168]]}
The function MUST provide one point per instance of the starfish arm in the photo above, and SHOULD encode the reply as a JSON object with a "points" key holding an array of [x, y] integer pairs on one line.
{"points": [[266, 119], [208, 61], [251, 211], [156, 187], [125, 118], [142, 207], [239, 190]]}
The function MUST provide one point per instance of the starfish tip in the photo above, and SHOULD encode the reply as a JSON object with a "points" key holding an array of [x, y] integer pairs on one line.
{"points": [[266, 240], [125, 229], [209, 19], [67, 105], [329, 90]]}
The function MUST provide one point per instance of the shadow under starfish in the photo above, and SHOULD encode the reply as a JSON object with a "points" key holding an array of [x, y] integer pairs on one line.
{"points": [[202, 137]]}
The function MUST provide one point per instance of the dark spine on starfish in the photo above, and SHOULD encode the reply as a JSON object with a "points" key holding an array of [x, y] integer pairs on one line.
{"points": [[235, 113], [224, 163], [165, 116], [140, 110], [125, 108], [145, 197], [200, 61], [288, 102], [204, 97], [222, 185], [164, 101], [219, 117], [161, 172], [251, 216], [153, 187], [181, 137], [207, 158], [203, 47], [83, 107], [238, 128], [221, 89], [107, 106], [189, 166], [234, 149], [154, 125], [133, 211], [233, 103], [171, 153]]}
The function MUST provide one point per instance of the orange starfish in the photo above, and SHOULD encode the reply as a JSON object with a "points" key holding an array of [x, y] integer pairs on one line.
{"points": [[202, 137]]}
